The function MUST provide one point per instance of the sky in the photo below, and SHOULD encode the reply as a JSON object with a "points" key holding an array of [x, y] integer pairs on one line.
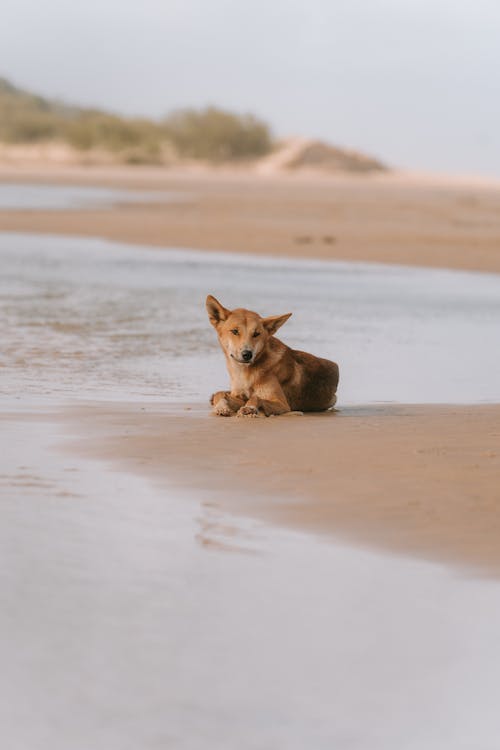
{"points": [[413, 82]]}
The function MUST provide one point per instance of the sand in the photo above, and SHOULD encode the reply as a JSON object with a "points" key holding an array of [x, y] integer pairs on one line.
{"points": [[393, 218], [135, 616], [423, 481], [416, 480]]}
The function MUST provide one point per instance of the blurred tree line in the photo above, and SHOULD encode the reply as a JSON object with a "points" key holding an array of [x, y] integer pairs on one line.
{"points": [[209, 134]]}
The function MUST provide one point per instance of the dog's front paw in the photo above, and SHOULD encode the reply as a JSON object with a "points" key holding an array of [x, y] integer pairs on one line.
{"points": [[222, 409], [248, 411]]}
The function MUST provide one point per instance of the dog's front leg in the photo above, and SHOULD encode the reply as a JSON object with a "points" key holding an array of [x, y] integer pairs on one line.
{"points": [[256, 406], [225, 404], [266, 399]]}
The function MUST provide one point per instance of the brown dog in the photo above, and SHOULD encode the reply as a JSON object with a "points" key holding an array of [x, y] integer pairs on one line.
{"points": [[267, 377]]}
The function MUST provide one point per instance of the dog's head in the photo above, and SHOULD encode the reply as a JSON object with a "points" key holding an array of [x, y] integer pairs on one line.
{"points": [[243, 334]]}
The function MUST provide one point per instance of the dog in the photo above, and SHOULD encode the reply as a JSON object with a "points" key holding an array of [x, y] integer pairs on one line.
{"points": [[267, 377]]}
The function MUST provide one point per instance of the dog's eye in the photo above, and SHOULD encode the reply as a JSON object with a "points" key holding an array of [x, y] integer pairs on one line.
{"points": [[235, 331], [256, 333]]}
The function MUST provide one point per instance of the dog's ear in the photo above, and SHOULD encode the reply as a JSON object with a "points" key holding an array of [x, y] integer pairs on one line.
{"points": [[272, 324], [216, 312]]}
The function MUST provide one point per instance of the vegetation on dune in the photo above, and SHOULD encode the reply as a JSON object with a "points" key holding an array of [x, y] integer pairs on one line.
{"points": [[27, 118], [139, 141], [210, 134], [217, 135], [319, 154]]}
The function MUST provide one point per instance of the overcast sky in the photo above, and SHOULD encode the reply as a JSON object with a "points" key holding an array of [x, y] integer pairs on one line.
{"points": [[415, 82]]}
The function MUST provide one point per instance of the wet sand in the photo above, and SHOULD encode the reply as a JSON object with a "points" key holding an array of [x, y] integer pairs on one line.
{"points": [[138, 614], [416, 480], [393, 218], [423, 481]]}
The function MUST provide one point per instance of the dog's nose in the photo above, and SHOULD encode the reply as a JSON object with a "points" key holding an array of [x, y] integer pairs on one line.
{"points": [[246, 355]]}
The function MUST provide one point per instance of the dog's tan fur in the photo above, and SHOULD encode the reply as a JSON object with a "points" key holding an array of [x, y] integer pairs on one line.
{"points": [[276, 379]]}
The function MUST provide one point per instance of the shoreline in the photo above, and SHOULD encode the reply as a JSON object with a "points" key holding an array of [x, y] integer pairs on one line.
{"points": [[418, 481], [401, 219]]}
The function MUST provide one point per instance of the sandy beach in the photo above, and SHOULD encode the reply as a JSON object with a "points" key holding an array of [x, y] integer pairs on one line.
{"points": [[164, 613], [177, 580], [419, 480], [392, 218]]}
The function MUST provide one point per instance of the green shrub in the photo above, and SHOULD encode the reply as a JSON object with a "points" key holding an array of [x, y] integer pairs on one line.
{"points": [[100, 130], [216, 135], [25, 118]]}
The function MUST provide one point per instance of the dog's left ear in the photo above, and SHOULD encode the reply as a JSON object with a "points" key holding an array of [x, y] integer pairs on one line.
{"points": [[272, 324], [216, 312]]}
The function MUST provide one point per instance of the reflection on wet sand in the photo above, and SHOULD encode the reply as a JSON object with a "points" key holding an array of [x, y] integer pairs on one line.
{"points": [[46, 197], [134, 615], [416, 480]]}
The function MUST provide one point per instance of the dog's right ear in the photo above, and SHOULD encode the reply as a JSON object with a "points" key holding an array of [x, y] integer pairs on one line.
{"points": [[216, 312]]}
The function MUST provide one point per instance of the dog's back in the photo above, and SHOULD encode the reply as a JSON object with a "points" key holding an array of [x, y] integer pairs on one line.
{"points": [[317, 386]]}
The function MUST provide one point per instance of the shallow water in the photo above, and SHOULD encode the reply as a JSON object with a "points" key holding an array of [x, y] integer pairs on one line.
{"points": [[89, 318], [134, 617], [59, 197]]}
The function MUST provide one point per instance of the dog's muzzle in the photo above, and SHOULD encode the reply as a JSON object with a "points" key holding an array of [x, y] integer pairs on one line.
{"points": [[246, 357]]}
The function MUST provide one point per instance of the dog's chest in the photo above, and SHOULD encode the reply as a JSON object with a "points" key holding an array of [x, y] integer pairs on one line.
{"points": [[241, 382]]}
